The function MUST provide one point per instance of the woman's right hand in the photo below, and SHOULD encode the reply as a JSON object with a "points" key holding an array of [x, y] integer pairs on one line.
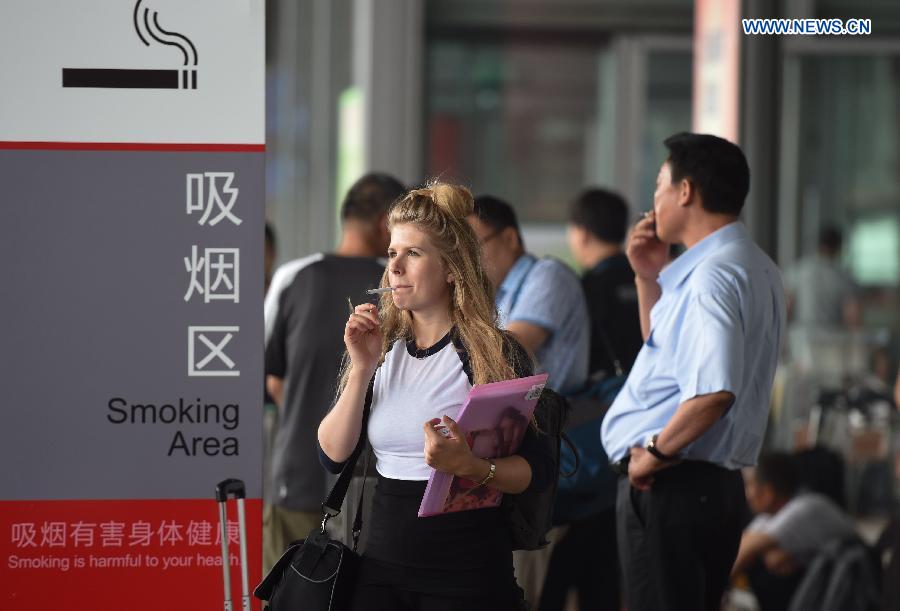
{"points": [[362, 337], [646, 252]]}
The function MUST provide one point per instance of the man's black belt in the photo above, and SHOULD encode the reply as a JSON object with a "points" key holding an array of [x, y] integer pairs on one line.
{"points": [[621, 466]]}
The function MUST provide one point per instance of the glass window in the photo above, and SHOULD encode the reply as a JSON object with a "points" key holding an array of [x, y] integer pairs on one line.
{"points": [[668, 111], [850, 162], [535, 121], [518, 120], [848, 177]]}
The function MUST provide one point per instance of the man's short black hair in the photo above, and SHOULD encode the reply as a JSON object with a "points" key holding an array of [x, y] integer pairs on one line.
{"points": [[371, 196], [497, 214], [716, 167], [778, 470], [831, 238], [603, 213]]}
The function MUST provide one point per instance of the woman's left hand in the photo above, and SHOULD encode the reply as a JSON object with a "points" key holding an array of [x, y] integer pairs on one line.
{"points": [[450, 454]]}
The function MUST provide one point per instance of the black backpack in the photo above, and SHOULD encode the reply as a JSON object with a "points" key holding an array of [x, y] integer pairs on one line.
{"points": [[529, 515]]}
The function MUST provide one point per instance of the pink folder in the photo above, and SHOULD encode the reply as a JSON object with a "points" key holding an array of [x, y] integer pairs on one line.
{"points": [[493, 418]]}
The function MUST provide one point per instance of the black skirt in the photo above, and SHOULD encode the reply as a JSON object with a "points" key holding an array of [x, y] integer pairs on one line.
{"points": [[460, 554]]}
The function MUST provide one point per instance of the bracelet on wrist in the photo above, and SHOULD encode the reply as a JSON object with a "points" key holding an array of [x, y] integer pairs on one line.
{"points": [[490, 475]]}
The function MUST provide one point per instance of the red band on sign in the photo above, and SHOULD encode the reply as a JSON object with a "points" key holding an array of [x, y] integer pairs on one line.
{"points": [[137, 554], [133, 146]]}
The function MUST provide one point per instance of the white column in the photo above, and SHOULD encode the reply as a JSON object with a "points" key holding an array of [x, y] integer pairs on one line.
{"points": [[388, 65]]}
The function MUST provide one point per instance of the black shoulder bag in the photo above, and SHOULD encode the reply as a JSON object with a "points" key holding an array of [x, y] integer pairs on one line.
{"points": [[318, 573]]}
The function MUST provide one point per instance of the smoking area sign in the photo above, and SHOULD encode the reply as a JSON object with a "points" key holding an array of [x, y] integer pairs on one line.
{"points": [[131, 240]]}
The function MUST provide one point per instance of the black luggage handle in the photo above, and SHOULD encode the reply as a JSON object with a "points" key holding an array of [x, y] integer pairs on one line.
{"points": [[230, 486]]}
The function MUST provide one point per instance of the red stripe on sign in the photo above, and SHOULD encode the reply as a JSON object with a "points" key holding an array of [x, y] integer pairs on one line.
{"points": [[133, 146], [140, 555]]}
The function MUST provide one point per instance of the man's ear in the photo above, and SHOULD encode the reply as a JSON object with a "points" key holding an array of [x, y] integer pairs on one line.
{"points": [[510, 238], [383, 229], [687, 192], [579, 235]]}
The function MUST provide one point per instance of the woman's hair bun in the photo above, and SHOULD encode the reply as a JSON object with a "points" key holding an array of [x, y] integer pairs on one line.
{"points": [[454, 200]]}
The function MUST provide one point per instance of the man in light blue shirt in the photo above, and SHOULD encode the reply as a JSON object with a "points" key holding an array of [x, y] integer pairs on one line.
{"points": [[540, 301], [694, 408]]}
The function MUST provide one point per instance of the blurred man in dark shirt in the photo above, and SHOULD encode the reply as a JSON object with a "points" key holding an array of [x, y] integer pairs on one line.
{"points": [[598, 221], [585, 559]]}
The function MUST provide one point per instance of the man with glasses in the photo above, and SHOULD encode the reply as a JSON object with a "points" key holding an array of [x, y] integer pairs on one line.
{"points": [[540, 301]]}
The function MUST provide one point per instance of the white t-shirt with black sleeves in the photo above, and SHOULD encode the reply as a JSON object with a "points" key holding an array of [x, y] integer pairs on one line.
{"points": [[411, 387]]}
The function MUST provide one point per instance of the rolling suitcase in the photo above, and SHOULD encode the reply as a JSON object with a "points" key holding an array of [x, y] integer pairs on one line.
{"points": [[224, 489]]}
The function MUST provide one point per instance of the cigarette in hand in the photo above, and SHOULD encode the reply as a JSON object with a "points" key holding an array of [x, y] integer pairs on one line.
{"points": [[386, 289]]}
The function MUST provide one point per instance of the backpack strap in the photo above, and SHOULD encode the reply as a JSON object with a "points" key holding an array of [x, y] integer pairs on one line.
{"points": [[463, 355], [571, 444], [610, 353]]}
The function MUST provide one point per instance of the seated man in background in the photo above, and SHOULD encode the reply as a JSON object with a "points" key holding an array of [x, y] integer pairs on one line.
{"points": [[791, 526]]}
